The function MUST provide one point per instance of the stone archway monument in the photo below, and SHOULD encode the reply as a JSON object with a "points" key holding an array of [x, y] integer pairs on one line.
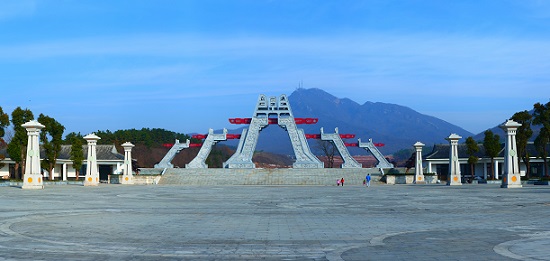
{"points": [[270, 111]]}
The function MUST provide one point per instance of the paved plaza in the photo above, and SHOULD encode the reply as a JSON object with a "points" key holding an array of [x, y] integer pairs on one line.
{"points": [[383, 222]]}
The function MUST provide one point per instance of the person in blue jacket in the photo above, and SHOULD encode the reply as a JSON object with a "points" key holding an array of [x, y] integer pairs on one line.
{"points": [[367, 178]]}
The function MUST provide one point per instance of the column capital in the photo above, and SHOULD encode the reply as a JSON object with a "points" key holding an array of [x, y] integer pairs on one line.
{"points": [[509, 125], [91, 137], [33, 125], [127, 145], [453, 137], [419, 144]]}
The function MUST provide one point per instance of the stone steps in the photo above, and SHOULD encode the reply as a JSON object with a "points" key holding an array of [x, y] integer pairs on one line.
{"points": [[218, 177]]}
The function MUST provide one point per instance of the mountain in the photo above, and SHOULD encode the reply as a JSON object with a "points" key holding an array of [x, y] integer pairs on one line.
{"points": [[396, 126], [500, 132]]}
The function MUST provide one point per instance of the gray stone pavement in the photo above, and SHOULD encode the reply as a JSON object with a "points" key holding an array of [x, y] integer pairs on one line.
{"points": [[383, 222]]}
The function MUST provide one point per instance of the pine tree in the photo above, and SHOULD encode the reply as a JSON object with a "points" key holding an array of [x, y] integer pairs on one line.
{"points": [[541, 116], [472, 148], [523, 134], [18, 144], [491, 143], [52, 138], [77, 154], [4, 122]]}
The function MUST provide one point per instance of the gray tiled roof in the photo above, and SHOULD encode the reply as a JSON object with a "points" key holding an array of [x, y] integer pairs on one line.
{"points": [[104, 152], [441, 151]]}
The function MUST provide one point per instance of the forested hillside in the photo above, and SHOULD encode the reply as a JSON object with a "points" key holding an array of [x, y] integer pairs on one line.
{"points": [[152, 144], [149, 143]]}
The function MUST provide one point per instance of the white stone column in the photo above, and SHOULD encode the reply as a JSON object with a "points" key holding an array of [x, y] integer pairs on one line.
{"points": [[64, 171], [92, 173], [127, 177], [32, 178], [511, 175], [430, 167], [418, 172], [454, 177], [496, 169]]}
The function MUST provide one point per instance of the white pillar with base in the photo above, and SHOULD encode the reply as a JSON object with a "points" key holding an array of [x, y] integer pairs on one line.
{"points": [[127, 177], [511, 175], [454, 178], [496, 169], [92, 173], [418, 172], [32, 178], [64, 171]]}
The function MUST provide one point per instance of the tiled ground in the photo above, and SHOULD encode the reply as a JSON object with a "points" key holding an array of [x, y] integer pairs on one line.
{"points": [[383, 222]]}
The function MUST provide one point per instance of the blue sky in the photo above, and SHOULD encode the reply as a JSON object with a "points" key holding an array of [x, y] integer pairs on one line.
{"points": [[187, 66]]}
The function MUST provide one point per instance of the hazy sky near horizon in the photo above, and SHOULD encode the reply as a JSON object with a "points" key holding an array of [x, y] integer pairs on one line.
{"points": [[187, 66]]}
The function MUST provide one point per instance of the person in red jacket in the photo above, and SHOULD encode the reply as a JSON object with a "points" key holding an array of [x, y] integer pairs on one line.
{"points": [[342, 182]]}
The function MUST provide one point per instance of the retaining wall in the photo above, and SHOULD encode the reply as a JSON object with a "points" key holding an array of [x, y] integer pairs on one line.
{"points": [[138, 179], [216, 177]]}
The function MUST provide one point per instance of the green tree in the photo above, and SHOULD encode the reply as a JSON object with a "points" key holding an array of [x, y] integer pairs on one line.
{"points": [[472, 148], [541, 142], [52, 138], [70, 136], [145, 136], [541, 116], [18, 144], [523, 134], [77, 154], [491, 143], [4, 122]]}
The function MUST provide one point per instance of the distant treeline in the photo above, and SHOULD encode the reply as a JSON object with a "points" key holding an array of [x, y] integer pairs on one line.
{"points": [[145, 136]]}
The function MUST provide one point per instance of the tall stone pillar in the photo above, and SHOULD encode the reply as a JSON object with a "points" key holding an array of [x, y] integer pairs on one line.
{"points": [[511, 175], [418, 172], [92, 173], [127, 177], [454, 177], [32, 179], [64, 171], [495, 166]]}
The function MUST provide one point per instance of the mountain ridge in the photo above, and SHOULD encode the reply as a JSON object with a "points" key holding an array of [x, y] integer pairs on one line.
{"points": [[397, 126]]}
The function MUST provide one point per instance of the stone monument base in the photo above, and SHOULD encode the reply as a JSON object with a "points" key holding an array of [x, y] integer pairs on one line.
{"points": [[511, 181], [32, 181], [127, 179], [511, 186], [91, 180]]}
